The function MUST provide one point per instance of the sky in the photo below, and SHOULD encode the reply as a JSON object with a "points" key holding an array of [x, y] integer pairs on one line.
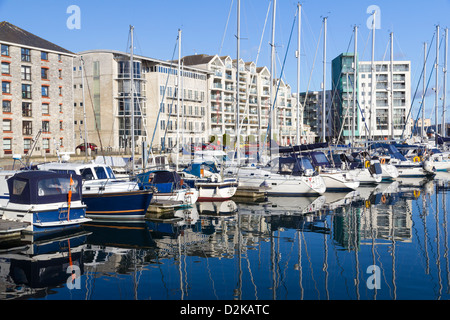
{"points": [[210, 27]]}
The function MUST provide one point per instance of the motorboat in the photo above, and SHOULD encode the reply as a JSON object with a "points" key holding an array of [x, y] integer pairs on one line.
{"points": [[208, 180], [106, 196], [282, 176], [167, 186], [46, 201]]}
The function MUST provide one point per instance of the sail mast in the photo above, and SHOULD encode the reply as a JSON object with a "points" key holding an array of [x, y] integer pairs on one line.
{"points": [[238, 37], [444, 89], [132, 100], [391, 105], [177, 144], [424, 87], [437, 82], [299, 118], [372, 98], [355, 68], [272, 54], [324, 78]]}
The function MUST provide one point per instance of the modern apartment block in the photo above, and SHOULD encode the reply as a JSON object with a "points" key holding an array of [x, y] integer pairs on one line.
{"points": [[102, 83], [311, 109], [254, 100], [36, 95], [383, 98]]}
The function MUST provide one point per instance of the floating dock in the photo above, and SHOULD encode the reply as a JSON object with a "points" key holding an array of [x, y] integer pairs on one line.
{"points": [[245, 194], [11, 229]]}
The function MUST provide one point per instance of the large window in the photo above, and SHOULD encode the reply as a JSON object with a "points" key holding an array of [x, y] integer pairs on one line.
{"points": [[44, 55], [26, 55], [26, 72]]}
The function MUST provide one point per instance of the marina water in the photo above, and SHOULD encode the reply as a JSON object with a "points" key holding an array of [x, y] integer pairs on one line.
{"points": [[388, 242]]}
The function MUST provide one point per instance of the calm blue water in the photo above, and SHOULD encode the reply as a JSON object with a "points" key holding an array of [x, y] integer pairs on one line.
{"points": [[322, 248]]}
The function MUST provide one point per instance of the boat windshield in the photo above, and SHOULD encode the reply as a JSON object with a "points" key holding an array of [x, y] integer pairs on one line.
{"points": [[305, 164]]}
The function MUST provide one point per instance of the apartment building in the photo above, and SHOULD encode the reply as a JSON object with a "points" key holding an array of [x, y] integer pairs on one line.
{"points": [[383, 102], [103, 109], [36, 95], [254, 101]]}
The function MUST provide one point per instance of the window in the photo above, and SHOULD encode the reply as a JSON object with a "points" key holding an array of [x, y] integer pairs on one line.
{"points": [[45, 126], [6, 125], [27, 128], [45, 108], [6, 87], [6, 105], [26, 91], [5, 68], [26, 144], [59, 57], [26, 72], [5, 50], [26, 109], [44, 55], [60, 91], [44, 73], [46, 144], [7, 143], [25, 55], [45, 91], [61, 127], [60, 73], [60, 108]]}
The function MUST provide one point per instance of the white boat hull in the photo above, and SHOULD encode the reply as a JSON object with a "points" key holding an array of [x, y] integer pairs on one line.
{"points": [[279, 184]]}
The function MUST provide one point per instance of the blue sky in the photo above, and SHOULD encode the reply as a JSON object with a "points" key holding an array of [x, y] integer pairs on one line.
{"points": [[209, 26]]}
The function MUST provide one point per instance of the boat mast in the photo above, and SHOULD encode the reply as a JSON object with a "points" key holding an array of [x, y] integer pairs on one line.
{"points": [[444, 85], [132, 100], [355, 68], [272, 54], [299, 130], [372, 98], [437, 83], [324, 77], [84, 110], [177, 144], [424, 87], [391, 105], [238, 37]]}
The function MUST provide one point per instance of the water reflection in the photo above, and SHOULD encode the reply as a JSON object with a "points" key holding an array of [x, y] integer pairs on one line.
{"points": [[283, 249]]}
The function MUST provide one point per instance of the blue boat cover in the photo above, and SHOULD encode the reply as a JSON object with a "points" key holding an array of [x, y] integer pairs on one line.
{"points": [[42, 187]]}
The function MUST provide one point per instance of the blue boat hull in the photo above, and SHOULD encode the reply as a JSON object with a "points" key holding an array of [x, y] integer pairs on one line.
{"points": [[130, 205], [48, 221]]}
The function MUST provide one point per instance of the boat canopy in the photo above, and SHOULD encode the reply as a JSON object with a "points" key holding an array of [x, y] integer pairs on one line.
{"points": [[42, 187], [303, 147], [195, 168], [390, 149]]}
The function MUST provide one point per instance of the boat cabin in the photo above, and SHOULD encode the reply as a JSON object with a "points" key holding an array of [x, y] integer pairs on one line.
{"points": [[42, 187]]}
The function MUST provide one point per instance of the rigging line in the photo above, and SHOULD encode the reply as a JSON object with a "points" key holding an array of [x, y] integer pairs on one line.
{"points": [[281, 74], [417, 87], [163, 96], [226, 27]]}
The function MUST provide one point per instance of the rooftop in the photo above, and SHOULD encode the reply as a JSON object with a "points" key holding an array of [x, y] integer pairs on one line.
{"points": [[13, 34]]}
